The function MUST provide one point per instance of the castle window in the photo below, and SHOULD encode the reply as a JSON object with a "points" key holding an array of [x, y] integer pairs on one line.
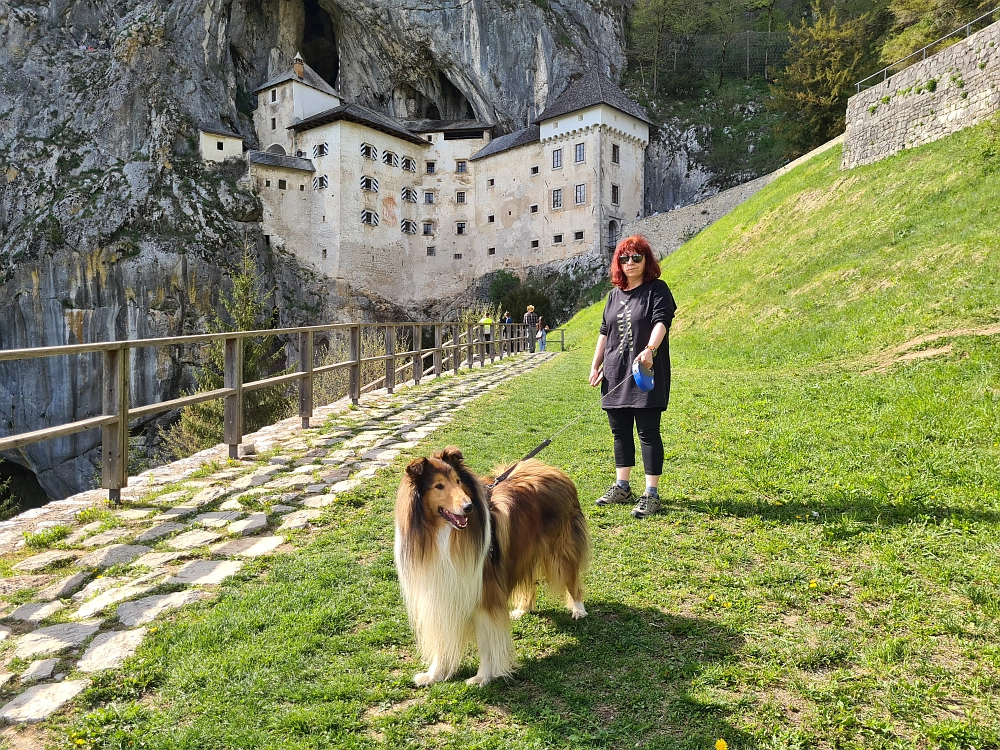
{"points": [[428, 227], [581, 194], [428, 197], [556, 158], [369, 184], [490, 182], [282, 185], [267, 240], [616, 157], [409, 195], [267, 183], [321, 149], [302, 188], [534, 208], [580, 152], [431, 250], [408, 227], [557, 239], [491, 251], [460, 167], [430, 139], [324, 253], [557, 198], [369, 217], [614, 195], [369, 151], [390, 158], [274, 95], [491, 218], [274, 124], [534, 170], [534, 243], [577, 236], [409, 165], [430, 167], [458, 256], [460, 227], [300, 154], [220, 146], [460, 196], [321, 182]]}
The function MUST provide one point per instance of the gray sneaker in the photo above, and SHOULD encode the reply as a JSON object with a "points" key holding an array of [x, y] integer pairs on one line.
{"points": [[616, 494], [647, 506]]}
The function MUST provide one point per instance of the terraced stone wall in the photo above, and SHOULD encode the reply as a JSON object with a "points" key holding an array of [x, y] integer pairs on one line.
{"points": [[953, 89]]}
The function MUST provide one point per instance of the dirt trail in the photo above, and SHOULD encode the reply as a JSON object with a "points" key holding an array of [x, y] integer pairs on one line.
{"points": [[904, 352]]}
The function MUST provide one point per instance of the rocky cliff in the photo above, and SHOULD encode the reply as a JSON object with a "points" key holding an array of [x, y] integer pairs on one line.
{"points": [[112, 227]]}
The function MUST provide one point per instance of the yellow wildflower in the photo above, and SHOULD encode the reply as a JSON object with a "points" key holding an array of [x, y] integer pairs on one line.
{"points": [[711, 597], [813, 584], [727, 605], [721, 744]]}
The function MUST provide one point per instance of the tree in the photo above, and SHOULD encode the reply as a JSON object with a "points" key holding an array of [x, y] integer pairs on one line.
{"points": [[917, 23], [653, 21], [812, 91], [201, 425]]}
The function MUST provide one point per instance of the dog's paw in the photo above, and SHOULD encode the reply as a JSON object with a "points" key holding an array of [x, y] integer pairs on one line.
{"points": [[424, 679], [516, 614], [578, 611], [479, 679]]}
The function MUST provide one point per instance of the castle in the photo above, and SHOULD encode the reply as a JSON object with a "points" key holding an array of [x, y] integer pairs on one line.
{"points": [[415, 210]]}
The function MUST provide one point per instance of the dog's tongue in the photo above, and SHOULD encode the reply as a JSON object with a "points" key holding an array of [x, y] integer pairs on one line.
{"points": [[459, 522]]}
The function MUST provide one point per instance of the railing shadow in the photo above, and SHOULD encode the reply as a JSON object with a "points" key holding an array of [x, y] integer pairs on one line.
{"points": [[630, 679]]}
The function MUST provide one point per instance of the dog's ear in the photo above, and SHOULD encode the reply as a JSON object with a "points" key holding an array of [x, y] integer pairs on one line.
{"points": [[416, 467], [452, 455]]}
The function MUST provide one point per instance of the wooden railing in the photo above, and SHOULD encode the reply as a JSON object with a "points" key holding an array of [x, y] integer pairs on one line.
{"points": [[454, 345]]}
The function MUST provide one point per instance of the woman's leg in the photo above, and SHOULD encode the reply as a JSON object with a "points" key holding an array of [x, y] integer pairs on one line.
{"points": [[647, 424], [621, 421]]}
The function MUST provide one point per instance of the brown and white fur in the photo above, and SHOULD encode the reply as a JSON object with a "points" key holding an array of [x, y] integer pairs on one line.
{"points": [[462, 556]]}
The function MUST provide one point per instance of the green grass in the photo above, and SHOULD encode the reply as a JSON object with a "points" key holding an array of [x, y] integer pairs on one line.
{"points": [[823, 574], [46, 537]]}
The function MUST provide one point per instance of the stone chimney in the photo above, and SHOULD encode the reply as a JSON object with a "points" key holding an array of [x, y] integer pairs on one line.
{"points": [[298, 65]]}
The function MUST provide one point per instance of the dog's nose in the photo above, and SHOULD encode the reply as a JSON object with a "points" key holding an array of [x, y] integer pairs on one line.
{"points": [[467, 508]]}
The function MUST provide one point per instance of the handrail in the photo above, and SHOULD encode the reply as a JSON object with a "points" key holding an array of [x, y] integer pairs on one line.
{"points": [[922, 51], [466, 345]]}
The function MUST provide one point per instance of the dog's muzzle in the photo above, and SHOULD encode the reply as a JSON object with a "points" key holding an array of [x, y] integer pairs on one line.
{"points": [[459, 522]]}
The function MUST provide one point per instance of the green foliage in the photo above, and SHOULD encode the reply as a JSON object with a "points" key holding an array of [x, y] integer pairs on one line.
{"points": [[9, 506], [989, 143], [46, 537], [201, 425], [812, 92]]}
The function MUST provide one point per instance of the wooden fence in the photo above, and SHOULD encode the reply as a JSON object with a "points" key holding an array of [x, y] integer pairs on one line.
{"points": [[453, 346]]}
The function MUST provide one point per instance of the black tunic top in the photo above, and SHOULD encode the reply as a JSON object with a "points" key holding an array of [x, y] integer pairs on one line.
{"points": [[628, 322]]}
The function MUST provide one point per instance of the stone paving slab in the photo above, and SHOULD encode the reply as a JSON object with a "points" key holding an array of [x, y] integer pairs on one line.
{"points": [[110, 650], [248, 526], [248, 546], [36, 612], [116, 554], [281, 509], [53, 639], [299, 519], [173, 514], [106, 537], [218, 518], [39, 702], [39, 670], [192, 539], [64, 587], [45, 559], [319, 501], [12, 585], [135, 514], [156, 559], [149, 608], [160, 530], [205, 572], [106, 599]]}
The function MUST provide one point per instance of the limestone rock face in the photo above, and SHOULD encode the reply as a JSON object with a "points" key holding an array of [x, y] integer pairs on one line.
{"points": [[112, 227]]}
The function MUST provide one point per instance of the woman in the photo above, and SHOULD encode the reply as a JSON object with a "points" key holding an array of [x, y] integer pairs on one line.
{"points": [[636, 320], [542, 331]]}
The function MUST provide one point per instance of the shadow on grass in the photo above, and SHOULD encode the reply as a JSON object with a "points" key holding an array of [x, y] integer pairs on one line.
{"points": [[635, 677]]}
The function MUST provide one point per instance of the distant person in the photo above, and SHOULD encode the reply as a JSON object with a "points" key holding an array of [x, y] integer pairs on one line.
{"points": [[487, 323], [636, 322], [541, 330], [638, 214], [530, 321]]}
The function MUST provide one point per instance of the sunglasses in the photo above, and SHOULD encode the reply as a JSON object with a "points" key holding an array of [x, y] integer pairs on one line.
{"points": [[637, 259]]}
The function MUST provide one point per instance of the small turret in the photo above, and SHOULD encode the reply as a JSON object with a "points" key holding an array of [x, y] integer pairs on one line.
{"points": [[298, 65]]}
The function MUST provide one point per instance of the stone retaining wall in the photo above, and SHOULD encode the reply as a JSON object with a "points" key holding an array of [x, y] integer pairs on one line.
{"points": [[953, 89]]}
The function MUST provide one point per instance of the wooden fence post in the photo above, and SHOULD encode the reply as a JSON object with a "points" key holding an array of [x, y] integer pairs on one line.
{"points": [[390, 364], [234, 404], [438, 351], [418, 354], [469, 346], [114, 437], [306, 383], [355, 378], [481, 333], [456, 355]]}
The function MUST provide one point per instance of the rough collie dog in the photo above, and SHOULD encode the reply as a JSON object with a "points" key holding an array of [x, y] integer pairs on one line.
{"points": [[463, 554]]}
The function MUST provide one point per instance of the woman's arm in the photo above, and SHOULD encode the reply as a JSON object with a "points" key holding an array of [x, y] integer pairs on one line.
{"points": [[655, 339], [595, 368]]}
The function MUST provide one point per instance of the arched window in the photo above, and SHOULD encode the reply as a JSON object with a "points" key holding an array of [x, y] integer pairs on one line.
{"points": [[276, 148]]}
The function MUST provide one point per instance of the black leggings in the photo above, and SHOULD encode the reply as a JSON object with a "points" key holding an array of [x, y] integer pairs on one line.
{"points": [[647, 423]]}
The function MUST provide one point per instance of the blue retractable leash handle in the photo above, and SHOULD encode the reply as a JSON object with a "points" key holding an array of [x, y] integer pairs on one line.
{"points": [[643, 376]]}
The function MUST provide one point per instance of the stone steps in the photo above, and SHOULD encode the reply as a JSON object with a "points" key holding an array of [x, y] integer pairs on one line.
{"points": [[176, 529]]}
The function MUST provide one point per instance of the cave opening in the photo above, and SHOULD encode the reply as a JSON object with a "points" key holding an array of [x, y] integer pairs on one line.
{"points": [[24, 486], [319, 42]]}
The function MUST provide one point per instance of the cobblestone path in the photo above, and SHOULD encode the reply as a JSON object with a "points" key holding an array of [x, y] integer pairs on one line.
{"points": [[81, 583]]}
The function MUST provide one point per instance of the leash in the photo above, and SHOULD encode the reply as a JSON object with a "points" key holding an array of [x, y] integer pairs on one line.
{"points": [[548, 441]]}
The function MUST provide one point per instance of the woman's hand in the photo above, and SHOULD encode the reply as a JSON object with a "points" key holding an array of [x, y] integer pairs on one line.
{"points": [[596, 374], [646, 358]]}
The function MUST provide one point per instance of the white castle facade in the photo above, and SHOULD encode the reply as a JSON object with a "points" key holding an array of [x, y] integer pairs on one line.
{"points": [[414, 211]]}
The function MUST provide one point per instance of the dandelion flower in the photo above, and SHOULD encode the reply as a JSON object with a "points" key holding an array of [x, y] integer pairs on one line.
{"points": [[813, 584], [711, 597], [721, 744], [727, 605]]}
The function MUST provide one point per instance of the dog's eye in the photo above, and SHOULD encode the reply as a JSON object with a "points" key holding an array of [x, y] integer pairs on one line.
{"points": [[439, 486]]}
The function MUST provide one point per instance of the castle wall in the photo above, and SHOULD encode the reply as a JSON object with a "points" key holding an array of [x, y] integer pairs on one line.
{"points": [[951, 90]]}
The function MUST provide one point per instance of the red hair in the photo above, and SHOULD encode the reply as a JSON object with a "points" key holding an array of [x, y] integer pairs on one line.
{"points": [[630, 246]]}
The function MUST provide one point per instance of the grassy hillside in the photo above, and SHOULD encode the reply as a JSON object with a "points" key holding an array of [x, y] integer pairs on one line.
{"points": [[824, 572]]}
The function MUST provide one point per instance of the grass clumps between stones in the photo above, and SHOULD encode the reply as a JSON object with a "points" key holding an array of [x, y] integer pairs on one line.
{"points": [[820, 575]]}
